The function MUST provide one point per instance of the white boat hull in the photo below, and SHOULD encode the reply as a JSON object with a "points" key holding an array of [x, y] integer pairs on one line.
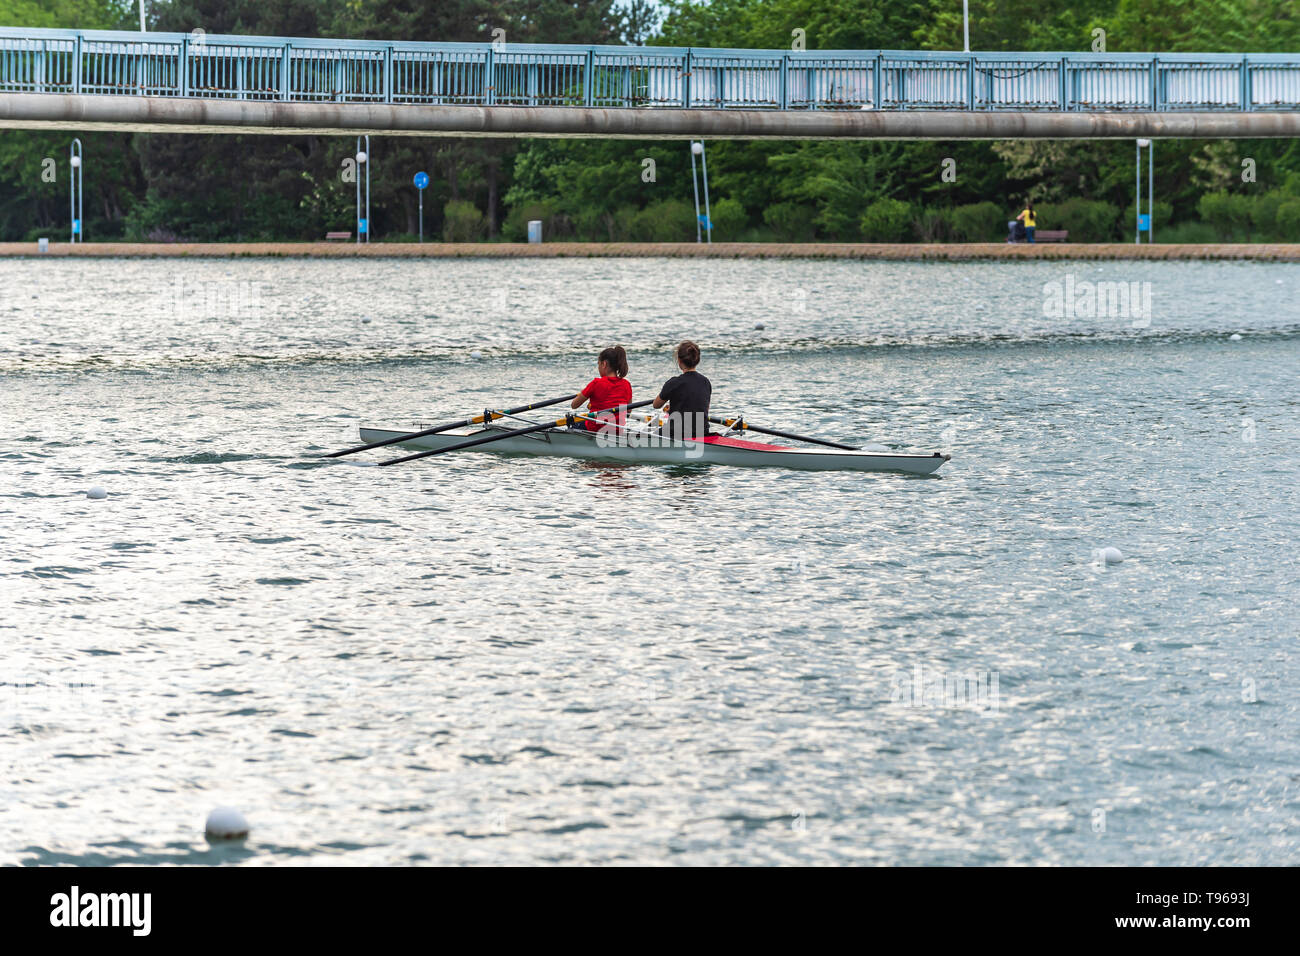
{"points": [[746, 454]]}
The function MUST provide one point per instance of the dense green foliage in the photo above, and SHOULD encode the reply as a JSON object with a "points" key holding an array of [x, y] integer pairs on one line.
{"points": [[258, 187]]}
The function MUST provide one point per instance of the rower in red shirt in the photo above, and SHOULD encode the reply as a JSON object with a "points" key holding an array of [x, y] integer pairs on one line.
{"points": [[610, 389]]}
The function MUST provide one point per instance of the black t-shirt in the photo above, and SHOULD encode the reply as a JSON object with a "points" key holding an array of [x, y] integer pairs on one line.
{"points": [[688, 395]]}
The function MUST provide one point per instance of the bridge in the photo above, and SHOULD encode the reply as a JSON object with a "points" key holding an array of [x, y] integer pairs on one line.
{"points": [[176, 82]]}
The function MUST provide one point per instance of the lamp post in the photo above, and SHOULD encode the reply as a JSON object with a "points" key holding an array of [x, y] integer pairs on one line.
{"points": [[76, 191], [965, 23], [697, 149], [142, 30], [1149, 224], [363, 160]]}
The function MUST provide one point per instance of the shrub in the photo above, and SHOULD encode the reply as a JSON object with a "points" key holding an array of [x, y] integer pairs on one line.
{"points": [[668, 220], [624, 223], [933, 225], [979, 222], [1263, 213], [462, 222], [1196, 233], [791, 221], [515, 227], [1229, 214], [1288, 220], [593, 224], [162, 234], [729, 220], [887, 220], [1087, 220]]}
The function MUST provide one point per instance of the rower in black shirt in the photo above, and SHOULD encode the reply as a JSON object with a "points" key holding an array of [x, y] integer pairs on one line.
{"points": [[687, 396]]}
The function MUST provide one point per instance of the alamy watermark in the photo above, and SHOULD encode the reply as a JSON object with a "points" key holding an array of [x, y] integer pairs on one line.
{"points": [[1083, 299], [189, 298], [937, 690], [649, 435]]}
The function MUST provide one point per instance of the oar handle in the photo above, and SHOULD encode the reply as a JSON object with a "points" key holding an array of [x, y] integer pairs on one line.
{"points": [[746, 426], [448, 426]]}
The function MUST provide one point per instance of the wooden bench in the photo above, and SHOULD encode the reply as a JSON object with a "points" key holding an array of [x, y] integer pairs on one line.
{"points": [[331, 236], [1050, 235]]}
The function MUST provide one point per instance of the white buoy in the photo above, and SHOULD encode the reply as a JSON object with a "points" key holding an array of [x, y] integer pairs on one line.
{"points": [[97, 493], [1234, 337], [225, 823], [1111, 555], [476, 355]]}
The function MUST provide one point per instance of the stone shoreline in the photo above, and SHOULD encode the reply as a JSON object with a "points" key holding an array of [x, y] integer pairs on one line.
{"points": [[949, 252]]}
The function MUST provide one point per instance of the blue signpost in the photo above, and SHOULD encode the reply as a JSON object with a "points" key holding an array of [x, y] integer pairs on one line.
{"points": [[421, 184]]}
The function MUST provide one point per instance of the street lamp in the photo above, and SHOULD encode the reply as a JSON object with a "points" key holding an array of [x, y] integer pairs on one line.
{"points": [[965, 23], [76, 191], [363, 160], [142, 30], [1146, 222], [697, 149]]}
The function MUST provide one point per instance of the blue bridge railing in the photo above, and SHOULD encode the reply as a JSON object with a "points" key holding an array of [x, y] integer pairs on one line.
{"points": [[196, 65]]}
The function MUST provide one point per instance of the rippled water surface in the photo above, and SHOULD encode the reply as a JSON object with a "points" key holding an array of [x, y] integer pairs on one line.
{"points": [[480, 659]]}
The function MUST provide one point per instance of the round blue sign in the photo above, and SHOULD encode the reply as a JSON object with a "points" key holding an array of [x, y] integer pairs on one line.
{"points": [[421, 180]]}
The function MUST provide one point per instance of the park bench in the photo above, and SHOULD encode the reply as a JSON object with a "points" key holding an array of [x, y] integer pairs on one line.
{"points": [[331, 236], [1051, 235]]}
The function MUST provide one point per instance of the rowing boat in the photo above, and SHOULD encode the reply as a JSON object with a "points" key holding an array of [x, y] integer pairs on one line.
{"points": [[713, 450]]}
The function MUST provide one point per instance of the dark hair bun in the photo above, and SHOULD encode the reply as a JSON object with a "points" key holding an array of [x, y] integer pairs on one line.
{"points": [[688, 353]]}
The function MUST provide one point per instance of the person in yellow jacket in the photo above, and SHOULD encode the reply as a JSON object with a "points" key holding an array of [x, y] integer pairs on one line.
{"points": [[1027, 217]]}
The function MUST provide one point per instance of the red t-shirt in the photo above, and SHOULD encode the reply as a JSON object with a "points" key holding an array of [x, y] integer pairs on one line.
{"points": [[605, 393]]}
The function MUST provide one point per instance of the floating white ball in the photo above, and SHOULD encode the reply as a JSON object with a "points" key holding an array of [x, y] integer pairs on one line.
{"points": [[476, 355], [365, 320], [97, 493], [225, 823], [1234, 337], [1111, 555]]}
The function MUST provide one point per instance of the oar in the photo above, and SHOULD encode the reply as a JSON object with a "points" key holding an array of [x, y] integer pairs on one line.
{"points": [[483, 440], [477, 419], [745, 426]]}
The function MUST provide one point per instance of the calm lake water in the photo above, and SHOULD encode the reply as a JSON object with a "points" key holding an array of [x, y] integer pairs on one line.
{"points": [[478, 659]]}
